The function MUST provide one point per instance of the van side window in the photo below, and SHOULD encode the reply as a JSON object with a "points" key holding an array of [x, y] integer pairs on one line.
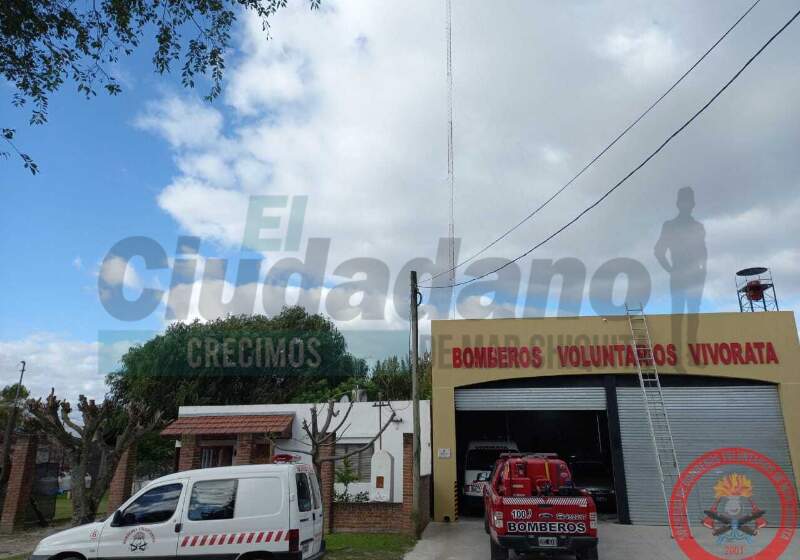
{"points": [[212, 499], [154, 506], [303, 492], [260, 496]]}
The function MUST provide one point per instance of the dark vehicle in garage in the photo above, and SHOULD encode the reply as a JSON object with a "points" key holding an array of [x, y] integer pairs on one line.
{"points": [[595, 476]]}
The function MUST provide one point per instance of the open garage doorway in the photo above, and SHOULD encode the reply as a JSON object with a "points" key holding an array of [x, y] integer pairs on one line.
{"points": [[578, 433]]}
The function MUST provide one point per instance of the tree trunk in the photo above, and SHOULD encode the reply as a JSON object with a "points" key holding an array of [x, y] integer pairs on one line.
{"points": [[84, 507], [317, 467], [81, 509]]}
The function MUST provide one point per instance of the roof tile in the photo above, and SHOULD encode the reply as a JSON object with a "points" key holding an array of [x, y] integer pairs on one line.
{"points": [[278, 424]]}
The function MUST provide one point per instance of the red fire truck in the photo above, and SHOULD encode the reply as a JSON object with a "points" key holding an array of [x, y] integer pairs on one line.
{"points": [[532, 505]]}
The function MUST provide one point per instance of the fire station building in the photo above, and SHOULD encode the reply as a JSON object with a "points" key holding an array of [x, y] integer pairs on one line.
{"points": [[571, 386]]}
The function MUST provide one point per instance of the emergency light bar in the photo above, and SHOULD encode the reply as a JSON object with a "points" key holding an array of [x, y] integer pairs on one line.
{"points": [[282, 458]]}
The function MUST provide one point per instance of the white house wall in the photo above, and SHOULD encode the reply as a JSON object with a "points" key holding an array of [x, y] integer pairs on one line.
{"points": [[361, 426]]}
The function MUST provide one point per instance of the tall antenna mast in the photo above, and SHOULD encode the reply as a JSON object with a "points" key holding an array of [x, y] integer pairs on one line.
{"points": [[450, 175]]}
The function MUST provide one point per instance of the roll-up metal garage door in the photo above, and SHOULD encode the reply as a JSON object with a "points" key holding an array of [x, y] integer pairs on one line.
{"points": [[532, 398], [702, 419]]}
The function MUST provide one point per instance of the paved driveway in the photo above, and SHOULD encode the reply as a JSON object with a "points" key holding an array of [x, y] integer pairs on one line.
{"points": [[465, 540]]}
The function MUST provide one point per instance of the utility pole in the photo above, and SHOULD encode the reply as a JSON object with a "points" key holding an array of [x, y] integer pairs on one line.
{"points": [[415, 468], [12, 420], [379, 405]]}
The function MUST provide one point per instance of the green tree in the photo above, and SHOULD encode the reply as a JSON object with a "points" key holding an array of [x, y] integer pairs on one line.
{"points": [[7, 395], [44, 43], [345, 475], [155, 455], [10, 418], [243, 359], [390, 379]]}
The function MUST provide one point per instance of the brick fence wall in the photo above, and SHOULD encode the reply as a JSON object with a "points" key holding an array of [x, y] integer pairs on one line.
{"points": [[372, 517], [380, 517], [20, 483], [122, 483]]}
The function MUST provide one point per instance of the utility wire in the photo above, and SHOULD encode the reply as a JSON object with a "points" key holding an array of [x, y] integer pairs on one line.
{"points": [[593, 160], [635, 169]]}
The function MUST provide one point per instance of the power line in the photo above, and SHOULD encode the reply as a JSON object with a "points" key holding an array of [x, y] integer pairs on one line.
{"points": [[454, 267], [635, 169]]}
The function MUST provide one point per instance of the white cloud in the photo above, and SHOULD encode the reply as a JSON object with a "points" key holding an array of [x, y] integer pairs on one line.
{"points": [[642, 54], [346, 106], [255, 86], [70, 366], [116, 271], [77, 263], [210, 299], [553, 155], [205, 210], [184, 123]]}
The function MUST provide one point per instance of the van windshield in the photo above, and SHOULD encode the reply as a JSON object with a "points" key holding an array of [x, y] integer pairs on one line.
{"points": [[483, 459]]}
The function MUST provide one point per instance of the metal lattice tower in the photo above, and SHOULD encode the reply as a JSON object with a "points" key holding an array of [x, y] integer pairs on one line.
{"points": [[451, 230], [660, 431], [755, 289]]}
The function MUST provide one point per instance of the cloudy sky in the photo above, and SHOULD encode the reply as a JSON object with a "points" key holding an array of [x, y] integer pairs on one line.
{"points": [[347, 106]]}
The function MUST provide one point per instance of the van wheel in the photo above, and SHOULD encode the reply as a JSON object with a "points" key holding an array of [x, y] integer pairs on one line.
{"points": [[497, 551], [588, 554]]}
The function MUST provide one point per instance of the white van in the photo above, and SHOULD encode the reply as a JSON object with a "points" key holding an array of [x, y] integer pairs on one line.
{"points": [[251, 512], [478, 463]]}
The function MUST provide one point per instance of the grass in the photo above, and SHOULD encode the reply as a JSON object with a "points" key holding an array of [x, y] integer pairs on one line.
{"points": [[367, 546], [346, 546], [64, 508]]}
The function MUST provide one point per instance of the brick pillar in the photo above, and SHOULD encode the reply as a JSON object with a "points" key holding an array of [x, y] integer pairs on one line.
{"points": [[120, 488], [190, 453], [244, 450], [327, 479], [20, 483], [407, 521]]}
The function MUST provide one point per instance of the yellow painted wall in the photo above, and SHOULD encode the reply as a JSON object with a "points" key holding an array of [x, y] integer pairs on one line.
{"points": [[779, 328]]}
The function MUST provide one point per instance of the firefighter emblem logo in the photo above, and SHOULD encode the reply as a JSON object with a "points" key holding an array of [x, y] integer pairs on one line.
{"points": [[734, 517], [732, 526], [139, 539]]}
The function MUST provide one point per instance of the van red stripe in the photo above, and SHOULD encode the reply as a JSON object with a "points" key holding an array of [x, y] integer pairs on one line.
{"points": [[185, 540], [203, 540], [278, 536], [233, 536], [194, 540], [241, 538], [250, 537], [213, 540], [286, 538], [221, 539], [260, 536], [269, 537]]}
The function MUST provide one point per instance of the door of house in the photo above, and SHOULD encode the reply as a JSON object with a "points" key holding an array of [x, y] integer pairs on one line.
{"points": [[216, 456]]}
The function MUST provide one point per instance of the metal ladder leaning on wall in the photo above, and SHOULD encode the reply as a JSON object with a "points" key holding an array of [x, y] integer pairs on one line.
{"points": [[660, 431]]}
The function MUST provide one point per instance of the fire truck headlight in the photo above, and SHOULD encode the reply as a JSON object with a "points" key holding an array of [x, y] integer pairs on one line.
{"points": [[498, 519]]}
